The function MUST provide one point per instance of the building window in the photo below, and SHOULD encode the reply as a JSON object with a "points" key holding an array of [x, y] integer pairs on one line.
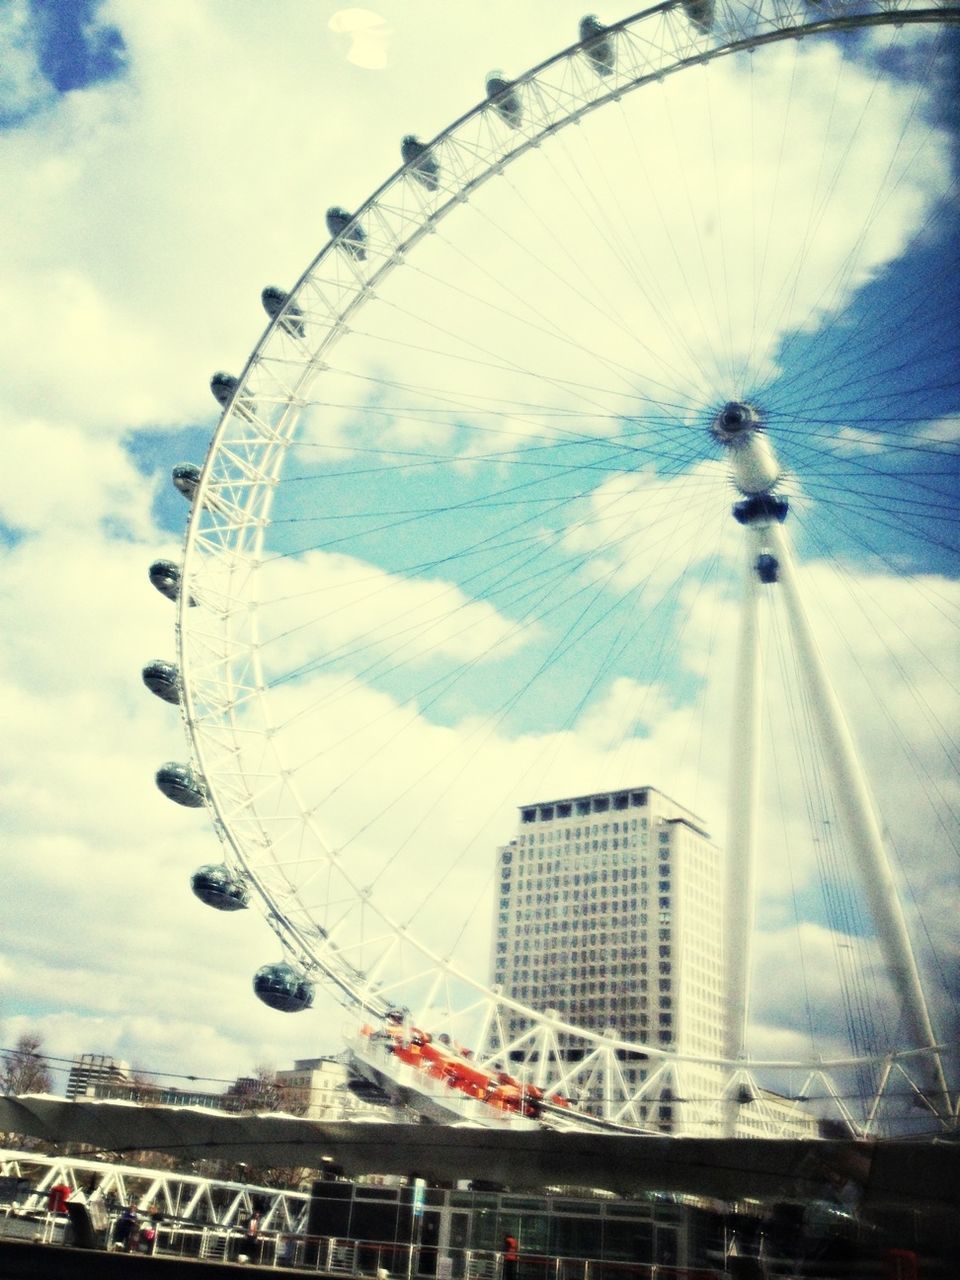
{"points": [[529, 815]]}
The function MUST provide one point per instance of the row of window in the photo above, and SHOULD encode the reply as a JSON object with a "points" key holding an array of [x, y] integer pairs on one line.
{"points": [[564, 835], [565, 874], [577, 964], [586, 804]]}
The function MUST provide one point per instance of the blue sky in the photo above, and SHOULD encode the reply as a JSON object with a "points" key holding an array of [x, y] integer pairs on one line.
{"points": [[171, 165], [60, 47]]}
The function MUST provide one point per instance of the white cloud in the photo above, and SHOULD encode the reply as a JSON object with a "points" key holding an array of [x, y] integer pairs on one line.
{"points": [[368, 37], [61, 478], [343, 610], [946, 428], [23, 87], [855, 440]]}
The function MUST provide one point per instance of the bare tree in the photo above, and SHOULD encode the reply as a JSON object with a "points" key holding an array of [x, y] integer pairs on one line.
{"points": [[24, 1069]]}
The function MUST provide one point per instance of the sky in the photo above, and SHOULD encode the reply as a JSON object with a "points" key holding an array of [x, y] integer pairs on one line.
{"points": [[622, 284]]}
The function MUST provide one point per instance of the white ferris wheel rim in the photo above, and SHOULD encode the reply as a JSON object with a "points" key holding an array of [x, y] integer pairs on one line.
{"points": [[232, 505]]}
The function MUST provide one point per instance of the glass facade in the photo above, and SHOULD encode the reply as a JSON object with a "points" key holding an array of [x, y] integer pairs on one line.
{"points": [[468, 1228]]}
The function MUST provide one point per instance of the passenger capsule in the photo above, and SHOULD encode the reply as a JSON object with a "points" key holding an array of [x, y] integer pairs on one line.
{"points": [[423, 164], [700, 13], [597, 45], [163, 679], [350, 234], [282, 987], [186, 477], [274, 300], [217, 886], [165, 576], [505, 99], [179, 783], [223, 385]]}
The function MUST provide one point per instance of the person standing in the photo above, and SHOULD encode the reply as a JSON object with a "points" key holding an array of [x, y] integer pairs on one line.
{"points": [[127, 1232], [251, 1236], [511, 1256]]}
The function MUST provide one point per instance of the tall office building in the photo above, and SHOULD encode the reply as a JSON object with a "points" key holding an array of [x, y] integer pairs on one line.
{"points": [[610, 912]]}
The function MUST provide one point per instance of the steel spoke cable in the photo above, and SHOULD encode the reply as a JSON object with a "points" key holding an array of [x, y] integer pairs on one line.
{"points": [[644, 279], [651, 189], [556, 604], [615, 320]]}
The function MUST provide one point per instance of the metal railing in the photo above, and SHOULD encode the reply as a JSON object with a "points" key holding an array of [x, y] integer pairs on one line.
{"points": [[334, 1255], [338, 1256]]}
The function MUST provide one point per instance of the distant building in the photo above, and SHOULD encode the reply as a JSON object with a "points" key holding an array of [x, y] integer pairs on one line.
{"points": [[92, 1072], [319, 1088]]}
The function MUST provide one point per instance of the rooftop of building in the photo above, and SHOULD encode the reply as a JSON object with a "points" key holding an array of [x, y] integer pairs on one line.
{"points": [[616, 800]]}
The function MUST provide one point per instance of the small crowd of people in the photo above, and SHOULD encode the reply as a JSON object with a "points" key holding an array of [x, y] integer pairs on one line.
{"points": [[135, 1232]]}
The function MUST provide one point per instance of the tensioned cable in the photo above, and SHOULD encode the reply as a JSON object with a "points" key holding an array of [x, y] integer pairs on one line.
{"points": [[538, 548], [563, 644]]}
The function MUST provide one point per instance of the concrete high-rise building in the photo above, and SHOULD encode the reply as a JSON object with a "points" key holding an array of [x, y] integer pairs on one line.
{"points": [[93, 1072], [610, 911]]}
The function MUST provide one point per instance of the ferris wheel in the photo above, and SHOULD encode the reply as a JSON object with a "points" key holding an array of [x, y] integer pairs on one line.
{"points": [[591, 446]]}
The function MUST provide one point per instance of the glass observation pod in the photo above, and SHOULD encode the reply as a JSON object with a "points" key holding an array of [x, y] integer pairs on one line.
{"points": [[351, 236], [424, 165], [222, 387], [598, 45], [283, 987], [165, 576], [186, 477], [504, 99], [274, 300], [217, 886], [163, 679], [700, 13], [179, 783]]}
